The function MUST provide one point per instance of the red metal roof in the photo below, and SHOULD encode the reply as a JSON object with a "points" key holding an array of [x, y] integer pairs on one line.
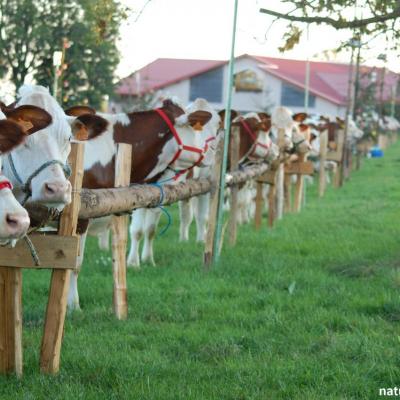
{"points": [[328, 80], [164, 72]]}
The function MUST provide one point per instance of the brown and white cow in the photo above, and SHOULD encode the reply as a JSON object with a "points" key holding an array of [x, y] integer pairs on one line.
{"points": [[166, 142]]}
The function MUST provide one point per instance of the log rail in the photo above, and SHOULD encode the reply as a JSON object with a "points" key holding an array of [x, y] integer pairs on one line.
{"points": [[97, 203]]}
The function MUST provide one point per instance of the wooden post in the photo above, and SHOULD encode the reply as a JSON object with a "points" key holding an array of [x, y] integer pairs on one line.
{"points": [[323, 148], [269, 178], [11, 320], [208, 250], [337, 156], [280, 176], [259, 206], [288, 193], [57, 303], [298, 195], [119, 228], [234, 164]]}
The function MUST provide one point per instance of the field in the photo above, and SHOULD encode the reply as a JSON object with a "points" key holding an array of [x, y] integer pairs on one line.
{"points": [[309, 310]]}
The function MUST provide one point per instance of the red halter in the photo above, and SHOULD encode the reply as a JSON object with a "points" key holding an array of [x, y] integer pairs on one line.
{"points": [[6, 185], [181, 146], [253, 137]]}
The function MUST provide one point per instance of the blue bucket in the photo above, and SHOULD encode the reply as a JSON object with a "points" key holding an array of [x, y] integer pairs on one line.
{"points": [[376, 152]]}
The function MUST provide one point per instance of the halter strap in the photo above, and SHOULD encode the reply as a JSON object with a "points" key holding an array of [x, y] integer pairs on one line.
{"points": [[26, 187], [182, 146], [256, 143], [296, 145]]}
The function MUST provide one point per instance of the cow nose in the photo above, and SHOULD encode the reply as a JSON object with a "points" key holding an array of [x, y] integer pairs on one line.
{"points": [[57, 191], [17, 224]]}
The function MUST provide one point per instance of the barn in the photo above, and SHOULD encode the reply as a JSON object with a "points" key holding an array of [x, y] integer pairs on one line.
{"points": [[260, 83]]}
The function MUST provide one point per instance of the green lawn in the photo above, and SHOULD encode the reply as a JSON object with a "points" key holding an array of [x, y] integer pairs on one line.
{"points": [[309, 310]]}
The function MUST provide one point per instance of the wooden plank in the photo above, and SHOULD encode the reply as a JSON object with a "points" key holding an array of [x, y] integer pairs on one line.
{"points": [[259, 206], [300, 167], [234, 164], [54, 251], [57, 303], [268, 177], [119, 229], [209, 244], [11, 320], [323, 149]]}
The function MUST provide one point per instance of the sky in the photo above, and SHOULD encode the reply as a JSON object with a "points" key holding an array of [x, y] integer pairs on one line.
{"points": [[203, 30]]}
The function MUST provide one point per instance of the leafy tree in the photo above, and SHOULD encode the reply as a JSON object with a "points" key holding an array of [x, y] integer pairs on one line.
{"points": [[380, 17], [31, 30]]}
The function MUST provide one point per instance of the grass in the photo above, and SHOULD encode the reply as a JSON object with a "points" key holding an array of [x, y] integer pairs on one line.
{"points": [[309, 310]]}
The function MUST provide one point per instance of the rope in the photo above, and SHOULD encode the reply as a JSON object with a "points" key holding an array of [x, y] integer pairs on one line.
{"points": [[33, 251], [169, 220], [163, 209]]}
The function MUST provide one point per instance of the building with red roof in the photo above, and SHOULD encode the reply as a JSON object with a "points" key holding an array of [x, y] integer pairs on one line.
{"points": [[260, 83]]}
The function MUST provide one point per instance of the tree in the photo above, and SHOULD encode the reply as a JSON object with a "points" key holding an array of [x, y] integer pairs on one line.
{"points": [[31, 30], [381, 17]]}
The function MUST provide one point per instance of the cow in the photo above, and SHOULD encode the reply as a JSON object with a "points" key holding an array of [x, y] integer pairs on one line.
{"points": [[166, 144], [199, 206], [292, 135], [14, 129], [39, 170]]}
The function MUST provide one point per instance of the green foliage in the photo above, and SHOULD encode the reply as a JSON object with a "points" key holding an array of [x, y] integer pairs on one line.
{"points": [[367, 18], [309, 310], [31, 30]]}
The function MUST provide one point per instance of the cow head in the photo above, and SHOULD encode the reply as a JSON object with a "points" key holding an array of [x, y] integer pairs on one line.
{"points": [[222, 113], [39, 169], [198, 129], [14, 219]]}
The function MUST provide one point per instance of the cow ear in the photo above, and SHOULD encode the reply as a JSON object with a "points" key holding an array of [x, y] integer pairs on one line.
{"points": [[264, 116], [88, 126], [30, 118], [198, 119], [299, 117], [340, 122], [3, 107], [11, 135], [77, 111], [303, 127]]}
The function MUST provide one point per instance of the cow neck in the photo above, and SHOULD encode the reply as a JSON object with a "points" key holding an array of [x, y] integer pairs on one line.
{"points": [[254, 138], [183, 147]]}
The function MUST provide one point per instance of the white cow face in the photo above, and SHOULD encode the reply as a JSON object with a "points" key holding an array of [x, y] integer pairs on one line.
{"points": [[40, 163], [282, 127], [197, 128]]}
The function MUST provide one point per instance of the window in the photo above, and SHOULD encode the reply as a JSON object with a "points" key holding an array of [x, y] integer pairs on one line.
{"points": [[207, 85], [292, 96]]}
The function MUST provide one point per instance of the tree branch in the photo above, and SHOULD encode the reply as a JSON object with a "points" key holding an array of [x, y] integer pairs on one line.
{"points": [[336, 23]]}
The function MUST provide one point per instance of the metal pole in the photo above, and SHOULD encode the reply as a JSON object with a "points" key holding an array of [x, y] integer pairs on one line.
{"points": [[393, 102], [307, 78], [349, 109], [217, 236], [357, 79]]}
